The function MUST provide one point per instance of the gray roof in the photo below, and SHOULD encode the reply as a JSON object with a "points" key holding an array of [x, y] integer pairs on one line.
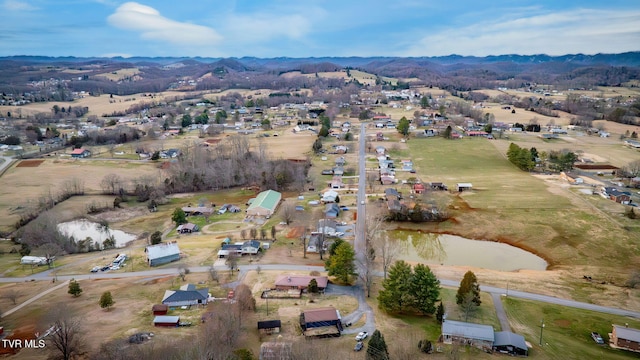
{"points": [[185, 295], [161, 250], [507, 338], [251, 243], [623, 332], [166, 319], [468, 330]]}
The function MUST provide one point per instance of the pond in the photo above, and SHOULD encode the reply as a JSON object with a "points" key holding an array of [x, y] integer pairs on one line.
{"points": [[454, 250], [82, 229]]}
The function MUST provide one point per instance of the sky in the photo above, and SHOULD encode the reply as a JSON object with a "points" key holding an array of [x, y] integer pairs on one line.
{"points": [[316, 28]]}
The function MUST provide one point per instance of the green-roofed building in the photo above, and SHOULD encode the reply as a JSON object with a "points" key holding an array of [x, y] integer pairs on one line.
{"points": [[265, 204]]}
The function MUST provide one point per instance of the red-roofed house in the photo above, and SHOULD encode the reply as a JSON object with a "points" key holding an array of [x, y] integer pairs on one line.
{"points": [[418, 188], [80, 153]]}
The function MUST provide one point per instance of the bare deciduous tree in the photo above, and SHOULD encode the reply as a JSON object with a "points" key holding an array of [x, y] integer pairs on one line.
{"points": [[213, 274], [111, 184], [12, 295], [387, 249], [288, 212], [66, 339]]}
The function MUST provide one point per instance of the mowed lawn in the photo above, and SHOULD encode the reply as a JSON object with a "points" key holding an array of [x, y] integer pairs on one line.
{"points": [[509, 205]]}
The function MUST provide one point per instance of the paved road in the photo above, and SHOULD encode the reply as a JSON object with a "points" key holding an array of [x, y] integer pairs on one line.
{"points": [[359, 242], [5, 161]]}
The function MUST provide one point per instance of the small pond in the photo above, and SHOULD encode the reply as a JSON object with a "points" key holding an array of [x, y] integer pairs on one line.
{"points": [[454, 250], [82, 229]]}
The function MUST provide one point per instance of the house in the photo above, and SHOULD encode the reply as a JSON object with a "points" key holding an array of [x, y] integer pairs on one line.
{"points": [[187, 295], [338, 170], [327, 320], [478, 335], [379, 135], [430, 132], [336, 182], [197, 210], [315, 238], [507, 342], [571, 178], [394, 205], [438, 186], [380, 150], [265, 204], [187, 228], [251, 247], [418, 188], [327, 226], [80, 153], [167, 321], [340, 161], [331, 210], [391, 194], [269, 327], [625, 338], [159, 309], [463, 186], [341, 149], [387, 179], [329, 196], [162, 253], [276, 351], [299, 282], [622, 197], [228, 249]]}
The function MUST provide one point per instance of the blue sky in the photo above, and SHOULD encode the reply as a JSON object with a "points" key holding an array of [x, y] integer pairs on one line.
{"points": [[273, 28]]}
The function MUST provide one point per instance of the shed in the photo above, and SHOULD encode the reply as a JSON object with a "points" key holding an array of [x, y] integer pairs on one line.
{"points": [[168, 321], [265, 204], [320, 317], [162, 253], [510, 343], [187, 228], [464, 186], [624, 337], [269, 326], [160, 309]]}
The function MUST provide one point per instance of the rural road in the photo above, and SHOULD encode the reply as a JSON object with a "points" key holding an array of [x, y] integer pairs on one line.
{"points": [[5, 161]]}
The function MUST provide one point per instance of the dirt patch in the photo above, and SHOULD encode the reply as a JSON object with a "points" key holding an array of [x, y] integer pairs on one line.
{"points": [[295, 232], [30, 163], [122, 214], [563, 323]]}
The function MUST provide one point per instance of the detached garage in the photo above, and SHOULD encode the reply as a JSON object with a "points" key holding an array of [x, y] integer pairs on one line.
{"points": [[265, 204]]}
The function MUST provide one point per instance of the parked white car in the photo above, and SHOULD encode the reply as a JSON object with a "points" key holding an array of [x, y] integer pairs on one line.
{"points": [[362, 335]]}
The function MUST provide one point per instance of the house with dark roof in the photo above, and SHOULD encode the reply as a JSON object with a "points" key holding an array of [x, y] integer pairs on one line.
{"points": [[269, 326], [391, 194], [622, 197], [625, 338], [332, 210], [187, 295], [326, 320], [197, 210], [250, 247], [187, 228], [162, 253]]}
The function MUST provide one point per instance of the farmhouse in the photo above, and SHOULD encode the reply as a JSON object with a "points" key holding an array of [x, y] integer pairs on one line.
{"points": [[187, 228], [162, 253], [299, 282], [187, 295], [624, 337], [478, 335], [265, 204], [166, 321], [80, 153]]}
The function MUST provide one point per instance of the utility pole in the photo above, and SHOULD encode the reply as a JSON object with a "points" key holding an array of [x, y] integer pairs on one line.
{"points": [[541, 328]]}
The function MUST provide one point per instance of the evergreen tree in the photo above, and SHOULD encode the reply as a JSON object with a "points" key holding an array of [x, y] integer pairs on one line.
{"points": [[334, 245], [106, 300], [469, 284], [440, 313], [424, 102], [377, 347], [179, 217], [74, 288], [341, 264], [396, 296], [447, 132], [312, 288], [403, 126], [156, 238], [425, 288]]}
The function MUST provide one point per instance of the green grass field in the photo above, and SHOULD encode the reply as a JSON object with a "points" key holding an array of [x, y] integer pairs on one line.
{"points": [[512, 206]]}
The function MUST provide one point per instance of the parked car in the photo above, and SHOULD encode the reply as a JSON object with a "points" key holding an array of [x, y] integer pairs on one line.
{"points": [[95, 269], [359, 346], [344, 208], [597, 338], [362, 335], [105, 268]]}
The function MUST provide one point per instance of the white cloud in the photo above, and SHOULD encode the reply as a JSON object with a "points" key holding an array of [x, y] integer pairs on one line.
{"points": [[16, 5], [576, 31], [153, 26], [257, 28]]}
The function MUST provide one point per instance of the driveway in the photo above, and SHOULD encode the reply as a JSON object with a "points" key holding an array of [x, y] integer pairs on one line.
{"points": [[357, 292]]}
